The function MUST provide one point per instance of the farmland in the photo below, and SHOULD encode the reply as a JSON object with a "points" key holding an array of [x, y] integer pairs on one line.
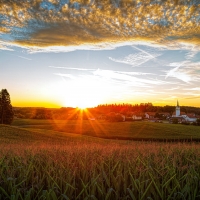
{"points": [[54, 160], [114, 130]]}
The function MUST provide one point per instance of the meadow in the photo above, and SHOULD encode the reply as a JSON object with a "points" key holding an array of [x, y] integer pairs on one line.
{"points": [[138, 130]]}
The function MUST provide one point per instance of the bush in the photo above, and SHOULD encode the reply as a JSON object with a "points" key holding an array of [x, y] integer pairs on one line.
{"points": [[194, 123], [113, 117], [174, 121], [185, 123]]}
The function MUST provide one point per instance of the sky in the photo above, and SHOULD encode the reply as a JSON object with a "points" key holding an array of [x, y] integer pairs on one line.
{"points": [[81, 53]]}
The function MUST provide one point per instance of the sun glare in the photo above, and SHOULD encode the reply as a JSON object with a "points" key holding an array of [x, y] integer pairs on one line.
{"points": [[84, 93], [82, 107]]}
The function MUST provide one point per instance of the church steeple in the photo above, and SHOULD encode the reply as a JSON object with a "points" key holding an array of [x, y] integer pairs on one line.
{"points": [[178, 110], [177, 103]]}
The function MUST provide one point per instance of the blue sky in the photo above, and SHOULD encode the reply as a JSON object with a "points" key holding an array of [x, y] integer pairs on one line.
{"points": [[85, 53]]}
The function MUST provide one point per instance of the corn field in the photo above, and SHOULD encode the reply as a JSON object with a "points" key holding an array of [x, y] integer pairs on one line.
{"points": [[100, 170]]}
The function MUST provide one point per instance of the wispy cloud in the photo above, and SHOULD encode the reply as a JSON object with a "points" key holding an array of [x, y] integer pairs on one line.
{"points": [[191, 54], [193, 89], [5, 46], [173, 88], [24, 58], [120, 78], [72, 68], [65, 75], [127, 78], [97, 70], [135, 59], [176, 72], [197, 97]]}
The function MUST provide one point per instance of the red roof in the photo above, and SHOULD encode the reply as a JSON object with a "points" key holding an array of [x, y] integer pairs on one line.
{"points": [[181, 113], [191, 115]]}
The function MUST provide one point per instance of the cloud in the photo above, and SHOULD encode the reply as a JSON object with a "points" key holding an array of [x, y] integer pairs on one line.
{"points": [[118, 78], [178, 73], [65, 75], [196, 97], [73, 68], [193, 89], [5, 46], [25, 58], [95, 71], [54, 25], [191, 54], [174, 88], [135, 59], [127, 78]]}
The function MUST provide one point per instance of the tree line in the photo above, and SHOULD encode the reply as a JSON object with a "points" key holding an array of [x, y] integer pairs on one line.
{"points": [[100, 111], [142, 108]]}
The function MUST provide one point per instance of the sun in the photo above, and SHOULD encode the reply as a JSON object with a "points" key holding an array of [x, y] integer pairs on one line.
{"points": [[84, 93], [82, 107]]}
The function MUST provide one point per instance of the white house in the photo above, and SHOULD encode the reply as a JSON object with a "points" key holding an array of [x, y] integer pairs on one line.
{"points": [[123, 118], [150, 115], [189, 119], [136, 117]]}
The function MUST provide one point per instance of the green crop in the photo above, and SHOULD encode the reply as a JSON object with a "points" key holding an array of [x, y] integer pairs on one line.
{"points": [[100, 170]]}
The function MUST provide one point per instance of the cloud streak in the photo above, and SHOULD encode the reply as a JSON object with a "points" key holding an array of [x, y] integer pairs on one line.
{"points": [[39, 24], [72, 68], [136, 59], [185, 71]]}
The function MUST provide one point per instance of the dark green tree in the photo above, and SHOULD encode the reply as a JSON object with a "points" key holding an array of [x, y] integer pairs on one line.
{"points": [[6, 111]]}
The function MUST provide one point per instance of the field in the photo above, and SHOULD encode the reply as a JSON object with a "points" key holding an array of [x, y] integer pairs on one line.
{"points": [[116, 130], [46, 160]]}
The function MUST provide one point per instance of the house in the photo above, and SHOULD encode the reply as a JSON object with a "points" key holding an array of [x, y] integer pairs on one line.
{"points": [[165, 114], [136, 117], [150, 115], [189, 118], [180, 119], [123, 117]]}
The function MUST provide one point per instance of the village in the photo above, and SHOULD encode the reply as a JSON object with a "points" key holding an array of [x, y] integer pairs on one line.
{"points": [[176, 117]]}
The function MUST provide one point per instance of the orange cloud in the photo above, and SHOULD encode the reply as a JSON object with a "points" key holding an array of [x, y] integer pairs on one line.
{"points": [[89, 22]]}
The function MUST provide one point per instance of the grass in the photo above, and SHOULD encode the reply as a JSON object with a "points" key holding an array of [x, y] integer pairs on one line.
{"points": [[66, 166], [123, 130]]}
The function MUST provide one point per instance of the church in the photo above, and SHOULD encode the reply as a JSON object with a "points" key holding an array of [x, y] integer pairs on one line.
{"points": [[182, 116]]}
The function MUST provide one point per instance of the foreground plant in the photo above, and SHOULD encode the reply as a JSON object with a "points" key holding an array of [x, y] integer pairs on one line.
{"points": [[96, 170]]}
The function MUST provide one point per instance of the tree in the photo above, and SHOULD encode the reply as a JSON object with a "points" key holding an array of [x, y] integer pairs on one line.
{"points": [[113, 117], [42, 113], [6, 111]]}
